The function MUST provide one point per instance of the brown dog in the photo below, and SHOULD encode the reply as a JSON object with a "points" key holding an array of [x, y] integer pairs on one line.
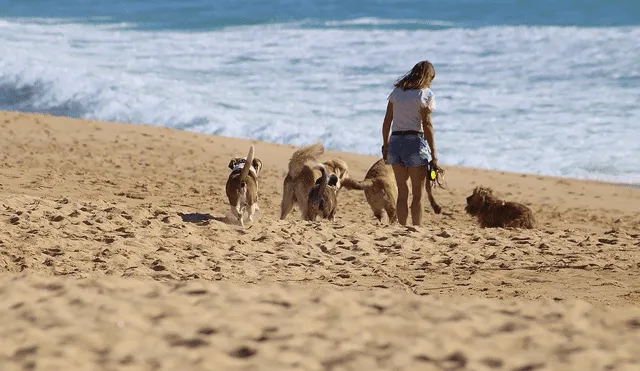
{"points": [[380, 190], [495, 213], [323, 198], [301, 177], [242, 185]]}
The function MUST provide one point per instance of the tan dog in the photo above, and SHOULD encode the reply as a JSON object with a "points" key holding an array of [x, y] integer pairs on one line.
{"points": [[323, 198], [380, 190], [301, 177], [494, 213], [242, 185]]}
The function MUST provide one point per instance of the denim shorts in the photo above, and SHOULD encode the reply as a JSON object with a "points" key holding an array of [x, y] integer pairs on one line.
{"points": [[408, 150]]}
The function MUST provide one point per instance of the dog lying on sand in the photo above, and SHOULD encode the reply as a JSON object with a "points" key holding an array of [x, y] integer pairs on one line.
{"points": [[492, 212], [242, 185], [323, 198], [301, 177]]}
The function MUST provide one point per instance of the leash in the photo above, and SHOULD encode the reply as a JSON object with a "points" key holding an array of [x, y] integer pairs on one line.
{"points": [[436, 175]]}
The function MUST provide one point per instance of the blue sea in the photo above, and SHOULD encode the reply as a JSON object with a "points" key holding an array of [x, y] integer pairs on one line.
{"points": [[548, 87]]}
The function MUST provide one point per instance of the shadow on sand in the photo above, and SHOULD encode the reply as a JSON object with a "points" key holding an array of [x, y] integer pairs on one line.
{"points": [[200, 218]]}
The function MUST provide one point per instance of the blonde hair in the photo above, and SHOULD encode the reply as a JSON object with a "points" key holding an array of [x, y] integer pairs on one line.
{"points": [[420, 77]]}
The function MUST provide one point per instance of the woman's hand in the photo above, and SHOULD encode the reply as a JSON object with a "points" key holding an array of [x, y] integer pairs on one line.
{"points": [[434, 161], [385, 151]]}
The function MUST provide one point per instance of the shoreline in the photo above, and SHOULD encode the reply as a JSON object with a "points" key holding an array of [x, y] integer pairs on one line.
{"points": [[551, 177]]}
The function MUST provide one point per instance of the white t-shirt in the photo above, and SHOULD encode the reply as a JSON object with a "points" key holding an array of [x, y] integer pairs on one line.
{"points": [[406, 107]]}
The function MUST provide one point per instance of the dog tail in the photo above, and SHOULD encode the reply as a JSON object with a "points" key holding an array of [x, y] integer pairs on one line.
{"points": [[350, 183], [247, 166], [323, 181], [302, 156]]}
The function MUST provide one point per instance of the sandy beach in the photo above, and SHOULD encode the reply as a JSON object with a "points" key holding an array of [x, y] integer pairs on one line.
{"points": [[116, 252]]}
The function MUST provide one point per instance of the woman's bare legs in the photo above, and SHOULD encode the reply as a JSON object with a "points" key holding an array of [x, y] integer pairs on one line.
{"points": [[402, 175], [418, 175]]}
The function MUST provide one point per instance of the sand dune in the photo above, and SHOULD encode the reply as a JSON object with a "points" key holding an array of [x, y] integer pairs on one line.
{"points": [[116, 252]]}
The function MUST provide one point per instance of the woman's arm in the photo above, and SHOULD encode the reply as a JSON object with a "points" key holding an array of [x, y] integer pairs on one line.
{"points": [[386, 124], [427, 127]]}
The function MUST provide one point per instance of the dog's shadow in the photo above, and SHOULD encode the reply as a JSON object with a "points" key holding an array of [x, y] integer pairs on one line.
{"points": [[200, 217], [203, 219]]}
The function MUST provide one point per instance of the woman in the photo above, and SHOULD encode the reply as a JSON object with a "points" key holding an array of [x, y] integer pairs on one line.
{"points": [[409, 108]]}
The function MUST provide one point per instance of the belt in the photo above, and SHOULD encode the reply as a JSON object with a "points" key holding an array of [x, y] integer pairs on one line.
{"points": [[407, 132]]}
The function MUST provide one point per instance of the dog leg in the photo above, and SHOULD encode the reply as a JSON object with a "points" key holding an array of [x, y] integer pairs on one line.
{"points": [[391, 213], [252, 210], [239, 212], [287, 203], [311, 215], [332, 216], [236, 211], [378, 215], [304, 208]]}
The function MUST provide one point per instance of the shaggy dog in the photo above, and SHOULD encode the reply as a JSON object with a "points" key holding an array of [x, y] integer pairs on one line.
{"points": [[242, 185], [495, 213], [302, 177], [323, 198]]}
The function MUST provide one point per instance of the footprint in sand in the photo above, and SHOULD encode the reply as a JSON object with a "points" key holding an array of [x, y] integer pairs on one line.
{"points": [[57, 218], [177, 341], [157, 266], [444, 234], [608, 241], [243, 352]]}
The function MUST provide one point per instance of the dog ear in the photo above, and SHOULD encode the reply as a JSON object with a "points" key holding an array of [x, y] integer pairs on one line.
{"points": [[257, 164], [232, 163]]}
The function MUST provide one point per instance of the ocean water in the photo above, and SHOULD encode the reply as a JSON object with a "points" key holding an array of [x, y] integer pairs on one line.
{"points": [[548, 87]]}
